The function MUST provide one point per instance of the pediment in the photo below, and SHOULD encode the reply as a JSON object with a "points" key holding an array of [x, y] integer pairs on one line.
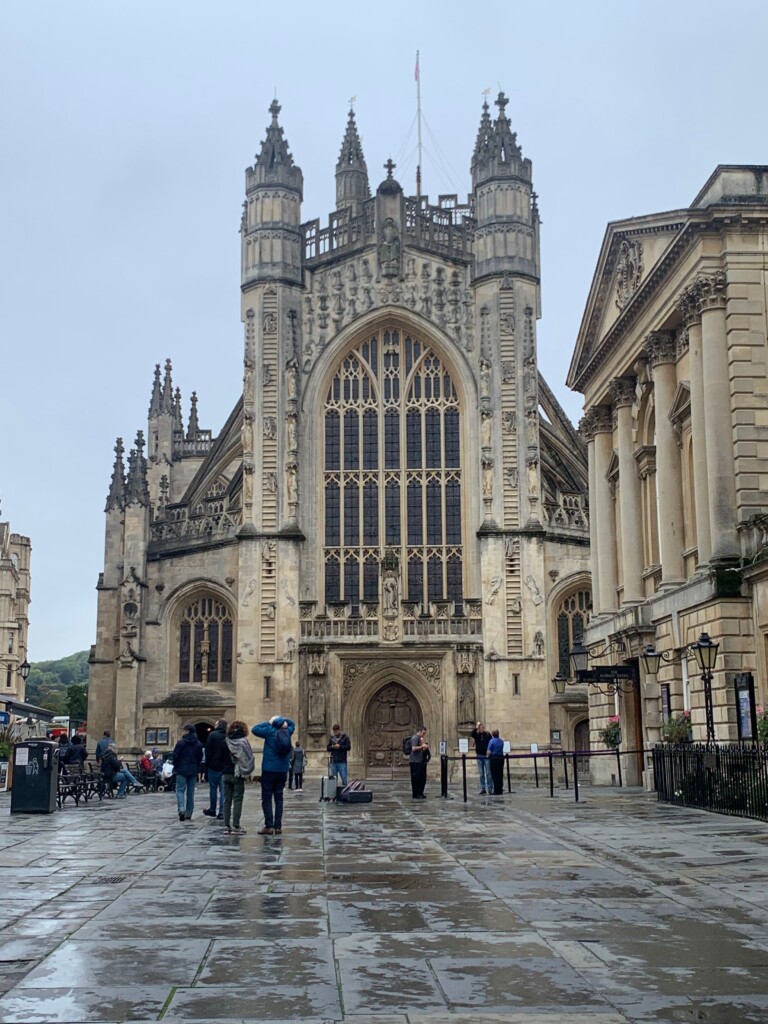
{"points": [[612, 470], [681, 403], [635, 256]]}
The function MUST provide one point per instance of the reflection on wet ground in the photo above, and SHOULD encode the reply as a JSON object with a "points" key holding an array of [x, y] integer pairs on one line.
{"points": [[522, 911]]}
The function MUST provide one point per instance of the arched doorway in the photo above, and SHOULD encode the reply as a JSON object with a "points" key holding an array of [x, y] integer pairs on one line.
{"points": [[581, 743], [392, 714], [202, 729]]}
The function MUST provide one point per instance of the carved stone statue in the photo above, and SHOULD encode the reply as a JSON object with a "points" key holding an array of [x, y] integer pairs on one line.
{"points": [[487, 479], [389, 595], [538, 644], [485, 379], [292, 380], [486, 423], [466, 703], [316, 707], [293, 443], [292, 482], [389, 249]]}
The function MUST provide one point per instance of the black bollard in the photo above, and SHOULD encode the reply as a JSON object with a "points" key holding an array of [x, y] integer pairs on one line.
{"points": [[464, 775]]}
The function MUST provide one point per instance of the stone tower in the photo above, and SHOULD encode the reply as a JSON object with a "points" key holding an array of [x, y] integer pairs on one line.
{"points": [[390, 525]]}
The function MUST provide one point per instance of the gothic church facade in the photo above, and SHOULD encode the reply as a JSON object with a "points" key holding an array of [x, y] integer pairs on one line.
{"points": [[392, 525]]}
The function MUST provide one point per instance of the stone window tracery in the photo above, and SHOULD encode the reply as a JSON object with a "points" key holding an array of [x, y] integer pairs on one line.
{"points": [[392, 472], [205, 641], [572, 618]]}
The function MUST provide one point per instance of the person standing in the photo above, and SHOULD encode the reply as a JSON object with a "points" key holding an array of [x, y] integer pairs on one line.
{"points": [[482, 738], [187, 759], [417, 760], [275, 759], [298, 764], [241, 765], [495, 758], [338, 747], [217, 760]]}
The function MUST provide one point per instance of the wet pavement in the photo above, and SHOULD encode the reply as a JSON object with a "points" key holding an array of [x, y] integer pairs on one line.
{"points": [[519, 910]]}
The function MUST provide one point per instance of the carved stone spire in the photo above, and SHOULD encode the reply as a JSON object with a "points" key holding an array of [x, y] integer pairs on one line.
{"points": [[351, 171], [136, 488], [166, 401], [497, 153], [157, 394], [274, 162], [194, 427], [116, 496], [178, 422]]}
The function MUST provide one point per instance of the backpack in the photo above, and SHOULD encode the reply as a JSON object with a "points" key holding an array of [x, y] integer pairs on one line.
{"points": [[407, 745], [283, 743]]}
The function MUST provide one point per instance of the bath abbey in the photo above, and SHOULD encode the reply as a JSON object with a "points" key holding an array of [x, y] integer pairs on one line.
{"points": [[392, 526]]}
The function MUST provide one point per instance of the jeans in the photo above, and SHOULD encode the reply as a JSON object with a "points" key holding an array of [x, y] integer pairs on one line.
{"points": [[338, 769], [124, 777], [272, 786], [234, 790], [484, 767], [216, 791], [185, 794], [497, 773]]}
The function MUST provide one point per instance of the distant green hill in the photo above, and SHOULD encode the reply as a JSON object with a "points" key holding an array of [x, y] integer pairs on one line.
{"points": [[60, 686]]}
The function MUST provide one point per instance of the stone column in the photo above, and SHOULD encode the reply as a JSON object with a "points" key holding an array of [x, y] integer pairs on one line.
{"points": [[721, 482], [585, 428], [691, 312], [604, 568], [623, 393], [661, 351]]}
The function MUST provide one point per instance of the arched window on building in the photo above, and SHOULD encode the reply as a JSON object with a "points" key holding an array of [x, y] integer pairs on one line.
{"points": [[392, 472], [572, 618], [205, 641]]}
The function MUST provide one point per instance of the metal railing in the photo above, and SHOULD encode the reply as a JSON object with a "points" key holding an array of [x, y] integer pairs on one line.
{"points": [[551, 757], [726, 779]]}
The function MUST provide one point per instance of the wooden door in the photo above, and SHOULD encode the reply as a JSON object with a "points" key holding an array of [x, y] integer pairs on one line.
{"points": [[393, 714]]}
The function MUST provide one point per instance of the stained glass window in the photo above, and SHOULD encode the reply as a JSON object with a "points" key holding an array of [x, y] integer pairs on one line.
{"points": [[205, 642], [572, 619], [392, 472]]}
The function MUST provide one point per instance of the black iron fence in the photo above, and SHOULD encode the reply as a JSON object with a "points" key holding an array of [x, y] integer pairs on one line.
{"points": [[727, 779], [545, 763]]}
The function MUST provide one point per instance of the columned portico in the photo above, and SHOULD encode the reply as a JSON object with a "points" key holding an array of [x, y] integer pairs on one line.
{"points": [[623, 393], [661, 351]]}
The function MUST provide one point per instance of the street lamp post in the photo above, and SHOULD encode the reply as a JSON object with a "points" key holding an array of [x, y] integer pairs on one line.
{"points": [[705, 651]]}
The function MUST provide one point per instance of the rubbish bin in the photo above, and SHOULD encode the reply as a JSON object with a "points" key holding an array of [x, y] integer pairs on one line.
{"points": [[35, 777]]}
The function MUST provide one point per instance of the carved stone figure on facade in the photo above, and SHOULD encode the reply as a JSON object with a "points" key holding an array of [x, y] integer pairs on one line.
{"points": [[493, 589], [464, 662], [290, 649], [389, 589], [512, 547], [507, 371], [292, 482], [266, 375], [439, 294], [292, 380], [485, 379], [316, 707], [507, 322], [247, 432], [487, 478], [466, 703], [270, 483], [269, 428], [316, 663], [538, 644], [269, 323], [533, 587], [389, 249], [486, 421], [248, 385], [269, 552], [508, 422], [292, 434], [533, 477], [629, 270], [249, 592], [248, 483]]}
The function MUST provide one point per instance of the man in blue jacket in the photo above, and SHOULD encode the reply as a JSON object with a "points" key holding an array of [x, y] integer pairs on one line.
{"points": [[275, 762]]}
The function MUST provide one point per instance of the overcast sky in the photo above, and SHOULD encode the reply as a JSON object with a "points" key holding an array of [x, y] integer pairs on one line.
{"points": [[126, 129]]}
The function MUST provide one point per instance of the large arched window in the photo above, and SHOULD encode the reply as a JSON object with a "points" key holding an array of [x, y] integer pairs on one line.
{"points": [[205, 641], [572, 619], [392, 472]]}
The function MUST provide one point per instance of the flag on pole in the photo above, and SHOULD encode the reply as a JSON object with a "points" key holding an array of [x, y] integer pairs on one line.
{"points": [[416, 71]]}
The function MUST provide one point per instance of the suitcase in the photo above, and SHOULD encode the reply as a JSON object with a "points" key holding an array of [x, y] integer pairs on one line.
{"points": [[328, 787], [357, 796]]}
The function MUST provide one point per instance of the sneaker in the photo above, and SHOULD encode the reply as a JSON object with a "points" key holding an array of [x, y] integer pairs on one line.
{"points": [[209, 813], [181, 815], [121, 796], [241, 831], [482, 792], [265, 831], [227, 831]]}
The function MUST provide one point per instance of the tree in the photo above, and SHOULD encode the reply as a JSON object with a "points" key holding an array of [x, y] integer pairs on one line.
{"points": [[77, 703]]}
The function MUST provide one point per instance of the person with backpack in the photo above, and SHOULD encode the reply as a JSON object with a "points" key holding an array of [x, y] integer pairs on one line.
{"points": [[417, 758], [234, 774], [275, 761]]}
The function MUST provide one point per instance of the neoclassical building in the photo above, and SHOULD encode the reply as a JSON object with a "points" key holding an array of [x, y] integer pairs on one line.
{"points": [[15, 552], [392, 525], [671, 360]]}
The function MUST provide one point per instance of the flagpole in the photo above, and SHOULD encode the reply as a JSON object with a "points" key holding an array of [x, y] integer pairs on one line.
{"points": [[418, 122]]}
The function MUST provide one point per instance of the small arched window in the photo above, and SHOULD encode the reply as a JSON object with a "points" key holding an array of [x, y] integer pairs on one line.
{"points": [[572, 619], [205, 641]]}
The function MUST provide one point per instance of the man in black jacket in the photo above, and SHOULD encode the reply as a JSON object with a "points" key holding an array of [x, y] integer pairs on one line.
{"points": [[113, 770], [217, 761], [187, 759], [482, 738], [338, 747]]}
